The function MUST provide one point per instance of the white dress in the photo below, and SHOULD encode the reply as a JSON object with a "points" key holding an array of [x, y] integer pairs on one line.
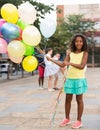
{"points": [[50, 68]]}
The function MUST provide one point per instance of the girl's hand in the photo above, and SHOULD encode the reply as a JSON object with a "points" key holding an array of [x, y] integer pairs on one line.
{"points": [[68, 63]]}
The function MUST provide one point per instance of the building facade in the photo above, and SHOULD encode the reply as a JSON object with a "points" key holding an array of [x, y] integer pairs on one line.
{"points": [[90, 11]]}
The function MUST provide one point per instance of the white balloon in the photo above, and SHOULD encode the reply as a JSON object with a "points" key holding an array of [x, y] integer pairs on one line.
{"points": [[16, 48], [48, 27], [31, 35], [16, 59], [27, 13]]}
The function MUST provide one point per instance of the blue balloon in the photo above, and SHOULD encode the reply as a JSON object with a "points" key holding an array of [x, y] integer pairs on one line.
{"points": [[10, 31]]}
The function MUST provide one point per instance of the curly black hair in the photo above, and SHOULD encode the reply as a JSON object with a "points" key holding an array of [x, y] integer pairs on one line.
{"points": [[72, 45]]}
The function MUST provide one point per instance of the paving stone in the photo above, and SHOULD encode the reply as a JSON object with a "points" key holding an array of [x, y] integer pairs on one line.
{"points": [[23, 106], [7, 127]]}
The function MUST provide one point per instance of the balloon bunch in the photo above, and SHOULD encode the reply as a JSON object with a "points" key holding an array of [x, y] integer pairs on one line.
{"points": [[18, 35]]}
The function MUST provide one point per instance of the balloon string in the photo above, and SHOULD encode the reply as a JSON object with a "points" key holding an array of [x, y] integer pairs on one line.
{"points": [[55, 109], [45, 46], [57, 101]]}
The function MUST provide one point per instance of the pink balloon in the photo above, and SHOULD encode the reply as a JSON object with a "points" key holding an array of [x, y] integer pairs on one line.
{"points": [[2, 21], [1, 35], [3, 46]]}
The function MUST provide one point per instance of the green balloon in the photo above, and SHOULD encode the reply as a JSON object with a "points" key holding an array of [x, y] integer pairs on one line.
{"points": [[22, 24], [29, 50]]}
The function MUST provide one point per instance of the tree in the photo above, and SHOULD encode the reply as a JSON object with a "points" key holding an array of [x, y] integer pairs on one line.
{"points": [[42, 9], [69, 26]]}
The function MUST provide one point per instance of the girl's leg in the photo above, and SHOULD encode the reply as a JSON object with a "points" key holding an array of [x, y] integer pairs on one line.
{"points": [[43, 76], [67, 110], [42, 80], [50, 81], [39, 81], [80, 104], [68, 105], [56, 80]]}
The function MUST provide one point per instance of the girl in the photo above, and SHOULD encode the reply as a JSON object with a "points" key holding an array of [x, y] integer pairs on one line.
{"points": [[56, 76], [41, 67], [76, 81], [50, 69]]}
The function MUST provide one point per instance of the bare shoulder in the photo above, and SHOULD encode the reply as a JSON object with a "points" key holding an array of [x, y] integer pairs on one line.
{"points": [[85, 53], [85, 56]]}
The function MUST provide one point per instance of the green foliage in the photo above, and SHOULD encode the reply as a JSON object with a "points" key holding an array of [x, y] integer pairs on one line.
{"points": [[15, 2], [71, 25]]}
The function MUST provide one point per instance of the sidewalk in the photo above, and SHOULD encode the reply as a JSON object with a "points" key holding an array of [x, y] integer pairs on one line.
{"points": [[25, 107]]}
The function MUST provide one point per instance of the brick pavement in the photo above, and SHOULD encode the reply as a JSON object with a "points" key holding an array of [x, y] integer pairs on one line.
{"points": [[25, 107]]}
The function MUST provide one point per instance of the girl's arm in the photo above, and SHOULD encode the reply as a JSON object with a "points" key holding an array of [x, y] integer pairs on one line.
{"points": [[60, 63], [83, 63], [40, 50]]}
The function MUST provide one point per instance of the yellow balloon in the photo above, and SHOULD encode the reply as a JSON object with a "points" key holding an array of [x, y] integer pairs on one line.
{"points": [[9, 13], [29, 63]]}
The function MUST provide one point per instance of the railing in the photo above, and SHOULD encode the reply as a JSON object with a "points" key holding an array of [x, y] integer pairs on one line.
{"points": [[17, 72]]}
